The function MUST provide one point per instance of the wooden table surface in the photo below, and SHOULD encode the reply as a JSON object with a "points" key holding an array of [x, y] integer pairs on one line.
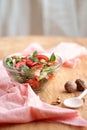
{"points": [[53, 88]]}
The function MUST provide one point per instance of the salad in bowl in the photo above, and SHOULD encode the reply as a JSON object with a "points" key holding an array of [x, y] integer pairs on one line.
{"points": [[34, 69]]}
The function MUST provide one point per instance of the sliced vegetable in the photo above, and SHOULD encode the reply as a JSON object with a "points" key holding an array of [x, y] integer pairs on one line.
{"points": [[19, 64], [54, 63], [24, 59], [33, 56], [29, 63], [34, 53], [33, 83], [37, 66], [9, 62], [33, 59], [18, 59], [53, 57], [40, 57], [50, 76]]}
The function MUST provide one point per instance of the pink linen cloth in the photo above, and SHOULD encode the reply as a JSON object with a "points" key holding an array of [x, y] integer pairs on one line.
{"points": [[19, 104], [70, 53]]}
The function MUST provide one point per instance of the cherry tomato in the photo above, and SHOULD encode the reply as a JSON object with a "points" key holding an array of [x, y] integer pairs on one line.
{"points": [[33, 83], [19, 64], [29, 63], [37, 66], [42, 57]]}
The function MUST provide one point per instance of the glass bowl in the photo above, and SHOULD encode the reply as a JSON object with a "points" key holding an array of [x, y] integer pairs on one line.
{"points": [[35, 69]]}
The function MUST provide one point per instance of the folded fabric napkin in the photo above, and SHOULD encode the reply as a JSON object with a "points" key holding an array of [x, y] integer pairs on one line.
{"points": [[70, 53], [19, 104]]}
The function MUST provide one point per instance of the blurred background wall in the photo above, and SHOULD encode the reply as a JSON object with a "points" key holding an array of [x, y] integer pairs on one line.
{"points": [[43, 17]]}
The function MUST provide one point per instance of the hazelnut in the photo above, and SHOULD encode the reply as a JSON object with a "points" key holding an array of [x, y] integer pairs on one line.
{"points": [[70, 86], [81, 84]]}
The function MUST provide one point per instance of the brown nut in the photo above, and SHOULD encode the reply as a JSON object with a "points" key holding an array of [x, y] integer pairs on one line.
{"points": [[58, 100], [70, 86], [81, 84], [54, 103]]}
